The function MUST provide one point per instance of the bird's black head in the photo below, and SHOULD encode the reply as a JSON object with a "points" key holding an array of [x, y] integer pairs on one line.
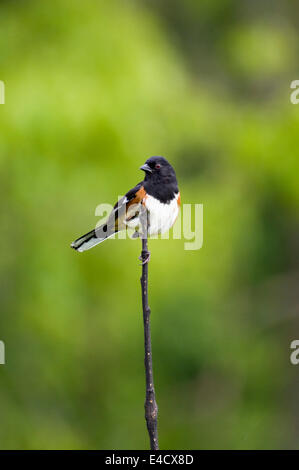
{"points": [[160, 176], [157, 167]]}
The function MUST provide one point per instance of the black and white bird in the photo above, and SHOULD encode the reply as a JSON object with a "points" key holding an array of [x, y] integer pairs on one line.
{"points": [[158, 193]]}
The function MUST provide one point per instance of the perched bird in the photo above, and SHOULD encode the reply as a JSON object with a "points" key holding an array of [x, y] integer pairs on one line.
{"points": [[158, 193]]}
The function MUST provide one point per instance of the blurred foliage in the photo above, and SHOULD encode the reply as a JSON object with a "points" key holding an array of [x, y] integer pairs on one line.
{"points": [[92, 90]]}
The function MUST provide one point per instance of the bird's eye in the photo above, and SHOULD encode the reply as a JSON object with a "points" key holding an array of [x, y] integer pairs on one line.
{"points": [[158, 166]]}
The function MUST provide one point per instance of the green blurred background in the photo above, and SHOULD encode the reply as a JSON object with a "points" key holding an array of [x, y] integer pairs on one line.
{"points": [[93, 88]]}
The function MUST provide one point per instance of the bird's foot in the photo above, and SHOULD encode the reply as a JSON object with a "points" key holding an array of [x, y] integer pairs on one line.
{"points": [[145, 258], [136, 235]]}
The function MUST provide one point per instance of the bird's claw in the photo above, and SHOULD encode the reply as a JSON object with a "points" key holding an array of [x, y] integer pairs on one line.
{"points": [[145, 259]]}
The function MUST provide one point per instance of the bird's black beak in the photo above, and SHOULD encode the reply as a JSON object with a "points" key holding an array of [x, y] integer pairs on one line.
{"points": [[146, 168]]}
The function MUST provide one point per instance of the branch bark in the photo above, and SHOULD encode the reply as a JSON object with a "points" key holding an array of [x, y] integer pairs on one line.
{"points": [[150, 405]]}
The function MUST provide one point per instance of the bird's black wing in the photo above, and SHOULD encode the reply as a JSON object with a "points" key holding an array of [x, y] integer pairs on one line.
{"points": [[127, 207]]}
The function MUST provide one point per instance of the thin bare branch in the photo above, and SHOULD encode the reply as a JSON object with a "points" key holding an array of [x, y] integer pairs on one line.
{"points": [[150, 405]]}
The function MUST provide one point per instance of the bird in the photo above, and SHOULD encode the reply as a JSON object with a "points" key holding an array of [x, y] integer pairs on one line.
{"points": [[158, 193]]}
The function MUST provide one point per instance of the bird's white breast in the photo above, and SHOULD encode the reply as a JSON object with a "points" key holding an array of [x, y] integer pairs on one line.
{"points": [[161, 216]]}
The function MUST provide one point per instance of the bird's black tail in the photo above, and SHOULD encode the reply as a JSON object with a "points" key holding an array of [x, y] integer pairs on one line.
{"points": [[93, 238]]}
